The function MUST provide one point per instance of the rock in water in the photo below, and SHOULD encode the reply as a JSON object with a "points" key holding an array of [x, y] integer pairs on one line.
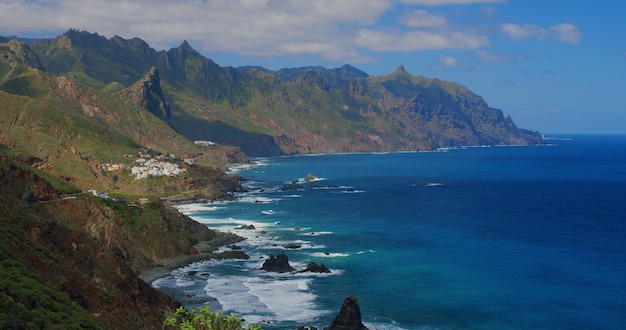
{"points": [[278, 264], [315, 268], [349, 317]]}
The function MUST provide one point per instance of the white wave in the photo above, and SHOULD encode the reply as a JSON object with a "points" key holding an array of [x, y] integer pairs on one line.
{"points": [[329, 255], [258, 199], [265, 299], [428, 184], [391, 326], [318, 233], [278, 244], [236, 168], [303, 180], [233, 295], [332, 187], [195, 208], [289, 300], [163, 282], [183, 282], [333, 272], [268, 212], [293, 196], [352, 191]]}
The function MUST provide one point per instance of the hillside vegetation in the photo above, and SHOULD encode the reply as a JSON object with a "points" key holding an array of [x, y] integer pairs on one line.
{"points": [[95, 133]]}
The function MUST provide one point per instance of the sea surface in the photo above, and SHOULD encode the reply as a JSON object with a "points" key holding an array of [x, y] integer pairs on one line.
{"points": [[469, 238]]}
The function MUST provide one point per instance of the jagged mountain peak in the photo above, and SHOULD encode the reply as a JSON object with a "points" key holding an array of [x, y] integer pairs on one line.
{"points": [[19, 53], [84, 36], [185, 50], [147, 94], [348, 71], [185, 45]]}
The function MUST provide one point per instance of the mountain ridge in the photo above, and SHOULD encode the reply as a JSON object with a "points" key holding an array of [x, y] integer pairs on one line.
{"points": [[248, 101]]}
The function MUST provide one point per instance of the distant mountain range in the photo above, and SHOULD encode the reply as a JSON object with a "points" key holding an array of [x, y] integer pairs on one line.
{"points": [[82, 96]]}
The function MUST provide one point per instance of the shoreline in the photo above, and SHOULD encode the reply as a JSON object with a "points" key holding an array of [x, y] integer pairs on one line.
{"points": [[206, 250]]}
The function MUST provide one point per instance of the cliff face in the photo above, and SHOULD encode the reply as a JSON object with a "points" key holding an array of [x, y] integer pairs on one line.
{"points": [[92, 249], [147, 94], [289, 111]]}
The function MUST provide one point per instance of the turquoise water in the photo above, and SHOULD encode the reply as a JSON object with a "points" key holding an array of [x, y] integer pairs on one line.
{"points": [[474, 238]]}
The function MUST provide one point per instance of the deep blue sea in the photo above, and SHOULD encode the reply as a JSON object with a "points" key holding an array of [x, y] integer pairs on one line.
{"points": [[470, 238]]}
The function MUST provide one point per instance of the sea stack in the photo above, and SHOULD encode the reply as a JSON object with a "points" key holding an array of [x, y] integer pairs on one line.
{"points": [[349, 317], [278, 264]]}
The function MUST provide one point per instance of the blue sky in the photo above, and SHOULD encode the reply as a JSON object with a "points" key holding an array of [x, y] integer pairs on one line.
{"points": [[554, 66]]}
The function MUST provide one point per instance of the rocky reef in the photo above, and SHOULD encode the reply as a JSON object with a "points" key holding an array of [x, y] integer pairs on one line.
{"points": [[277, 264]]}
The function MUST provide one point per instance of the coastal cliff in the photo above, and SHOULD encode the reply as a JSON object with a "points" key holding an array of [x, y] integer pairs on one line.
{"points": [[87, 251]]}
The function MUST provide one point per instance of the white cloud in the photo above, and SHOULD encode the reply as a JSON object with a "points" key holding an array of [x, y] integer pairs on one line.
{"points": [[337, 30], [449, 61], [519, 32], [450, 2], [565, 32], [263, 27], [423, 19], [376, 40]]}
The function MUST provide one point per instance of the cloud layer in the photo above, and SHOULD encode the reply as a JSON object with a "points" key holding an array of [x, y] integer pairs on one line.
{"points": [[347, 30], [565, 32]]}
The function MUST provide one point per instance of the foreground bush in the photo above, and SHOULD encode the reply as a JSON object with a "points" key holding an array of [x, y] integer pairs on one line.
{"points": [[203, 319]]}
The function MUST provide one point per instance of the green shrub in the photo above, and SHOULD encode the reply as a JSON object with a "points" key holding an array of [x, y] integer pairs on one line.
{"points": [[203, 319]]}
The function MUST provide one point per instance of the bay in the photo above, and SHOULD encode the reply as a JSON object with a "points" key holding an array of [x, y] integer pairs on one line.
{"points": [[469, 238]]}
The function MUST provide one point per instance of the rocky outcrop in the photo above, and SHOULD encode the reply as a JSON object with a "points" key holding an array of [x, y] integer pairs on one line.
{"points": [[313, 267], [311, 177], [349, 317], [278, 264], [147, 94], [20, 54]]}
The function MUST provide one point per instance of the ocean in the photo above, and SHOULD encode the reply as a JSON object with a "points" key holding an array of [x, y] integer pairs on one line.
{"points": [[527, 237]]}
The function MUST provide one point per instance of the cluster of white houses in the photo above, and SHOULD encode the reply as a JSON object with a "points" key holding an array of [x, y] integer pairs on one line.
{"points": [[147, 165], [153, 167], [204, 143]]}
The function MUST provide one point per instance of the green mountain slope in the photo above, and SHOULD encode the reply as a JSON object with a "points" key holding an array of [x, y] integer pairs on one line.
{"points": [[291, 111], [75, 130]]}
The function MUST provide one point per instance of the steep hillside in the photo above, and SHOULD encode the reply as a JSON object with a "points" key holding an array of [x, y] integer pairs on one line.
{"points": [[290, 111], [76, 130], [76, 259]]}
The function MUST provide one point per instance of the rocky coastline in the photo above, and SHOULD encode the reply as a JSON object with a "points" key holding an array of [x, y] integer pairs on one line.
{"points": [[206, 250]]}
